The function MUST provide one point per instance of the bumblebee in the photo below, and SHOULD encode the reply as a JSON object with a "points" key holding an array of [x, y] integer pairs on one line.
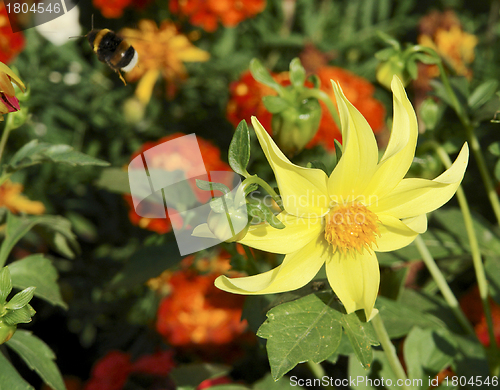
{"points": [[112, 49]]}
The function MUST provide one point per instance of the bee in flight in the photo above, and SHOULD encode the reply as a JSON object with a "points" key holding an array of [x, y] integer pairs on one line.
{"points": [[112, 49]]}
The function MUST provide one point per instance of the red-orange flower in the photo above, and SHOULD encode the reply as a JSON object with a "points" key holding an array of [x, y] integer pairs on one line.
{"points": [[246, 100], [206, 13], [113, 9], [114, 369], [196, 313], [11, 44], [181, 160]]}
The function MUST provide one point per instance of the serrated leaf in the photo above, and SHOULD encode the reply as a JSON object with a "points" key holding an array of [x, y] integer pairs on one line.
{"points": [[239, 149], [38, 356], [114, 180], [38, 271], [19, 316], [263, 76], [10, 378], [193, 374], [362, 337], [482, 94], [56, 229], [36, 153], [297, 73], [306, 329], [427, 352], [5, 284], [21, 299], [275, 104]]}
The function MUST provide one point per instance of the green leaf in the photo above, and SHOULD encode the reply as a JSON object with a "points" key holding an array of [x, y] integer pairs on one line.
{"points": [[38, 271], [55, 228], [297, 73], [9, 377], [380, 368], [38, 356], [392, 282], [263, 76], [268, 383], [427, 352], [148, 262], [275, 104], [492, 269], [470, 359], [19, 316], [36, 153], [258, 210], [317, 165], [239, 149], [306, 329], [193, 374], [494, 149], [482, 94], [114, 180], [211, 186], [497, 170], [362, 337], [5, 284], [21, 299]]}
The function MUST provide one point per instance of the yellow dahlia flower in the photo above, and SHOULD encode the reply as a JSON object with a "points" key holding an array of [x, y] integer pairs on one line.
{"points": [[364, 206]]}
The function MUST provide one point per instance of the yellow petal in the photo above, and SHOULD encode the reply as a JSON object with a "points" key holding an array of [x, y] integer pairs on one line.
{"points": [[355, 279], [303, 190], [145, 87], [14, 78], [413, 197], [297, 233], [418, 224], [360, 155], [394, 234], [297, 270], [401, 147]]}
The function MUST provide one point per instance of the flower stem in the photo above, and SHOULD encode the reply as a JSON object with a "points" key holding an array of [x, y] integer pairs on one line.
{"points": [[474, 143], [443, 285], [257, 180], [389, 350], [474, 246], [323, 96], [3, 141], [319, 372]]}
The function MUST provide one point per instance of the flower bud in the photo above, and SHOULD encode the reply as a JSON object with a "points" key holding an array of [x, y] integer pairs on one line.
{"points": [[6, 332], [395, 65], [295, 126], [229, 227]]}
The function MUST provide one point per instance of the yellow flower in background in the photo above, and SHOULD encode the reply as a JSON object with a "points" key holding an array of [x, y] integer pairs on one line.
{"points": [[364, 206], [12, 198], [161, 51]]}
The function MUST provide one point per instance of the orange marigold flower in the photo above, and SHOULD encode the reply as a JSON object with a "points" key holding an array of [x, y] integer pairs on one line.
{"points": [[11, 44], [12, 198], [161, 51], [196, 313], [111, 8], [246, 100], [181, 160], [443, 33], [206, 13]]}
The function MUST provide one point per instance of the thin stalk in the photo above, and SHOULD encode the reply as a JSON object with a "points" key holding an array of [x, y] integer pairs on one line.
{"points": [[319, 372], [257, 180], [389, 350], [3, 141], [474, 143], [482, 282], [443, 285]]}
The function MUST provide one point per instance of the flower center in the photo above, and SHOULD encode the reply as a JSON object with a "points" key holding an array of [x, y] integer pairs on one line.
{"points": [[351, 227]]}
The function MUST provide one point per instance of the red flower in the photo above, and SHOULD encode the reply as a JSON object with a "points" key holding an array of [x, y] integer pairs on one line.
{"points": [[246, 100], [196, 313], [11, 44], [181, 160], [206, 13], [113, 9], [113, 370]]}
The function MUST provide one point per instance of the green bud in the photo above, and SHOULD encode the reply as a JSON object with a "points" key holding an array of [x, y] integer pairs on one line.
{"points": [[395, 65], [295, 126], [230, 226], [6, 332], [429, 113]]}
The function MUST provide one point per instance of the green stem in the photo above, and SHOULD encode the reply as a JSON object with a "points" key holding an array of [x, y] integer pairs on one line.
{"points": [[474, 143], [443, 285], [474, 246], [3, 141], [323, 96], [389, 350], [257, 180], [319, 372]]}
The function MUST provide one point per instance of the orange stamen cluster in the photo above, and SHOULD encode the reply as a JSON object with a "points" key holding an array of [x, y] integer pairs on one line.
{"points": [[351, 227]]}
